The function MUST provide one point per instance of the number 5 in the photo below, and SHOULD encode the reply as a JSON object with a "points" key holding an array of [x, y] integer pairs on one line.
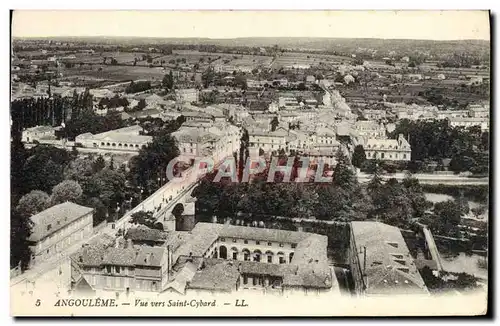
{"points": [[38, 302]]}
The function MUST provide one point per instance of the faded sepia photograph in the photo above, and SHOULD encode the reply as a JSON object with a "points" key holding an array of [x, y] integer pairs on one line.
{"points": [[249, 163]]}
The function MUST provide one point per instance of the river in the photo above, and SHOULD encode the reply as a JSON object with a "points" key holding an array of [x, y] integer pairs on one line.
{"points": [[460, 262]]}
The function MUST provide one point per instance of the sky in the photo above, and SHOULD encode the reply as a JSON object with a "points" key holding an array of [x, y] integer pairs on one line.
{"points": [[430, 25]]}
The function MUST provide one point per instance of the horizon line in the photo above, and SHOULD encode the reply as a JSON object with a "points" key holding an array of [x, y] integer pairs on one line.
{"points": [[248, 37]]}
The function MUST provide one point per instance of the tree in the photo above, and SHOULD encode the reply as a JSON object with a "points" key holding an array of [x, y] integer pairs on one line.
{"points": [[99, 164], [20, 231], [274, 123], [142, 104], [33, 203], [68, 190], [108, 186], [359, 156], [208, 76], [112, 163], [44, 168], [343, 175], [448, 217], [80, 169], [168, 81], [148, 169], [143, 218]]}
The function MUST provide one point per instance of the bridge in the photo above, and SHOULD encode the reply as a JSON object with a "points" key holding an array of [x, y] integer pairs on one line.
{"points": [[166, 198]]}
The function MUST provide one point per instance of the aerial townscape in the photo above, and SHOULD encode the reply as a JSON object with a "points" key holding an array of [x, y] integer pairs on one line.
{"points": [[386, 143]]}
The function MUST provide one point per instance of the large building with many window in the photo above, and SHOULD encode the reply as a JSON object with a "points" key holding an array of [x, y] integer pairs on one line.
{"points": [[210, 258], [58, 228], [388, 149], [235, 258], [128, 139]]}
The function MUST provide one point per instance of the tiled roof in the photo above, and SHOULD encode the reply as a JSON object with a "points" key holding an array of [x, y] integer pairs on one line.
{"points": [[220, 277], [389, 265], [124, 135], [119, 256], [57, 217], [308, 268], [194, 136], [374, 143], [245, 232], [150, 256]]}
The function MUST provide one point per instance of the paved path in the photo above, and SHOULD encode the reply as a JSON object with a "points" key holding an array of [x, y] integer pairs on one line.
{"points": [[423, 178]]}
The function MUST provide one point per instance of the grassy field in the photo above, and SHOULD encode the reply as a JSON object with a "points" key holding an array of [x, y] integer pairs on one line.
{"points": [[251, 60], [291, 58], [118, 73]]}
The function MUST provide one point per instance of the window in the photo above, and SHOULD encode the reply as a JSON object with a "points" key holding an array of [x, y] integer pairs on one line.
{"points": [[235, 240], [108, 269], [49, 227], [254, 279], [393, 244], [246, 241], [222, 239], [282, 260], [281, 245], [117, 269], [269, 259], [269, 244], [294, 245], [235, 256], [245, 279], [257, 242]]}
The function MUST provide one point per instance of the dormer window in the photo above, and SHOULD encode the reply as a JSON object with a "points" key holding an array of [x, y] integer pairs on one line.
{"points": [[393, 244]]}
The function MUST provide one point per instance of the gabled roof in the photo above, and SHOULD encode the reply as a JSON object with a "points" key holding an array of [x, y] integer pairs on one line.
{"points": [[56, 217], [389, 266], [219, 277]]}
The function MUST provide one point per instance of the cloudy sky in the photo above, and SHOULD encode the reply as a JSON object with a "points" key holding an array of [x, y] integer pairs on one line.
{"points": [[435, 25]]}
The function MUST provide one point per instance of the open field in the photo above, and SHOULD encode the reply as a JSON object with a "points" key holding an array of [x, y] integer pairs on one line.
{"points": [[297, 58], [251, 60], [118, 73]]}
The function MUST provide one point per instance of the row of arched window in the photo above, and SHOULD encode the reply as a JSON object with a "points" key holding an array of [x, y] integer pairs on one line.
{"points": [[255, 256], [120, 145]]}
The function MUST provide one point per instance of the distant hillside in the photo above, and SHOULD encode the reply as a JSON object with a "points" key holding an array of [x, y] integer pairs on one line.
{"points": [[342, 45]]}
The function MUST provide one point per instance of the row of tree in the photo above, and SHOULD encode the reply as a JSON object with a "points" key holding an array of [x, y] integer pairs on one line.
{"points": [[468, 148], [53, 111]]}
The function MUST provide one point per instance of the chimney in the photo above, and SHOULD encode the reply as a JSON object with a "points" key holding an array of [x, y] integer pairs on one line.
{"points": [[129, 243]]}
